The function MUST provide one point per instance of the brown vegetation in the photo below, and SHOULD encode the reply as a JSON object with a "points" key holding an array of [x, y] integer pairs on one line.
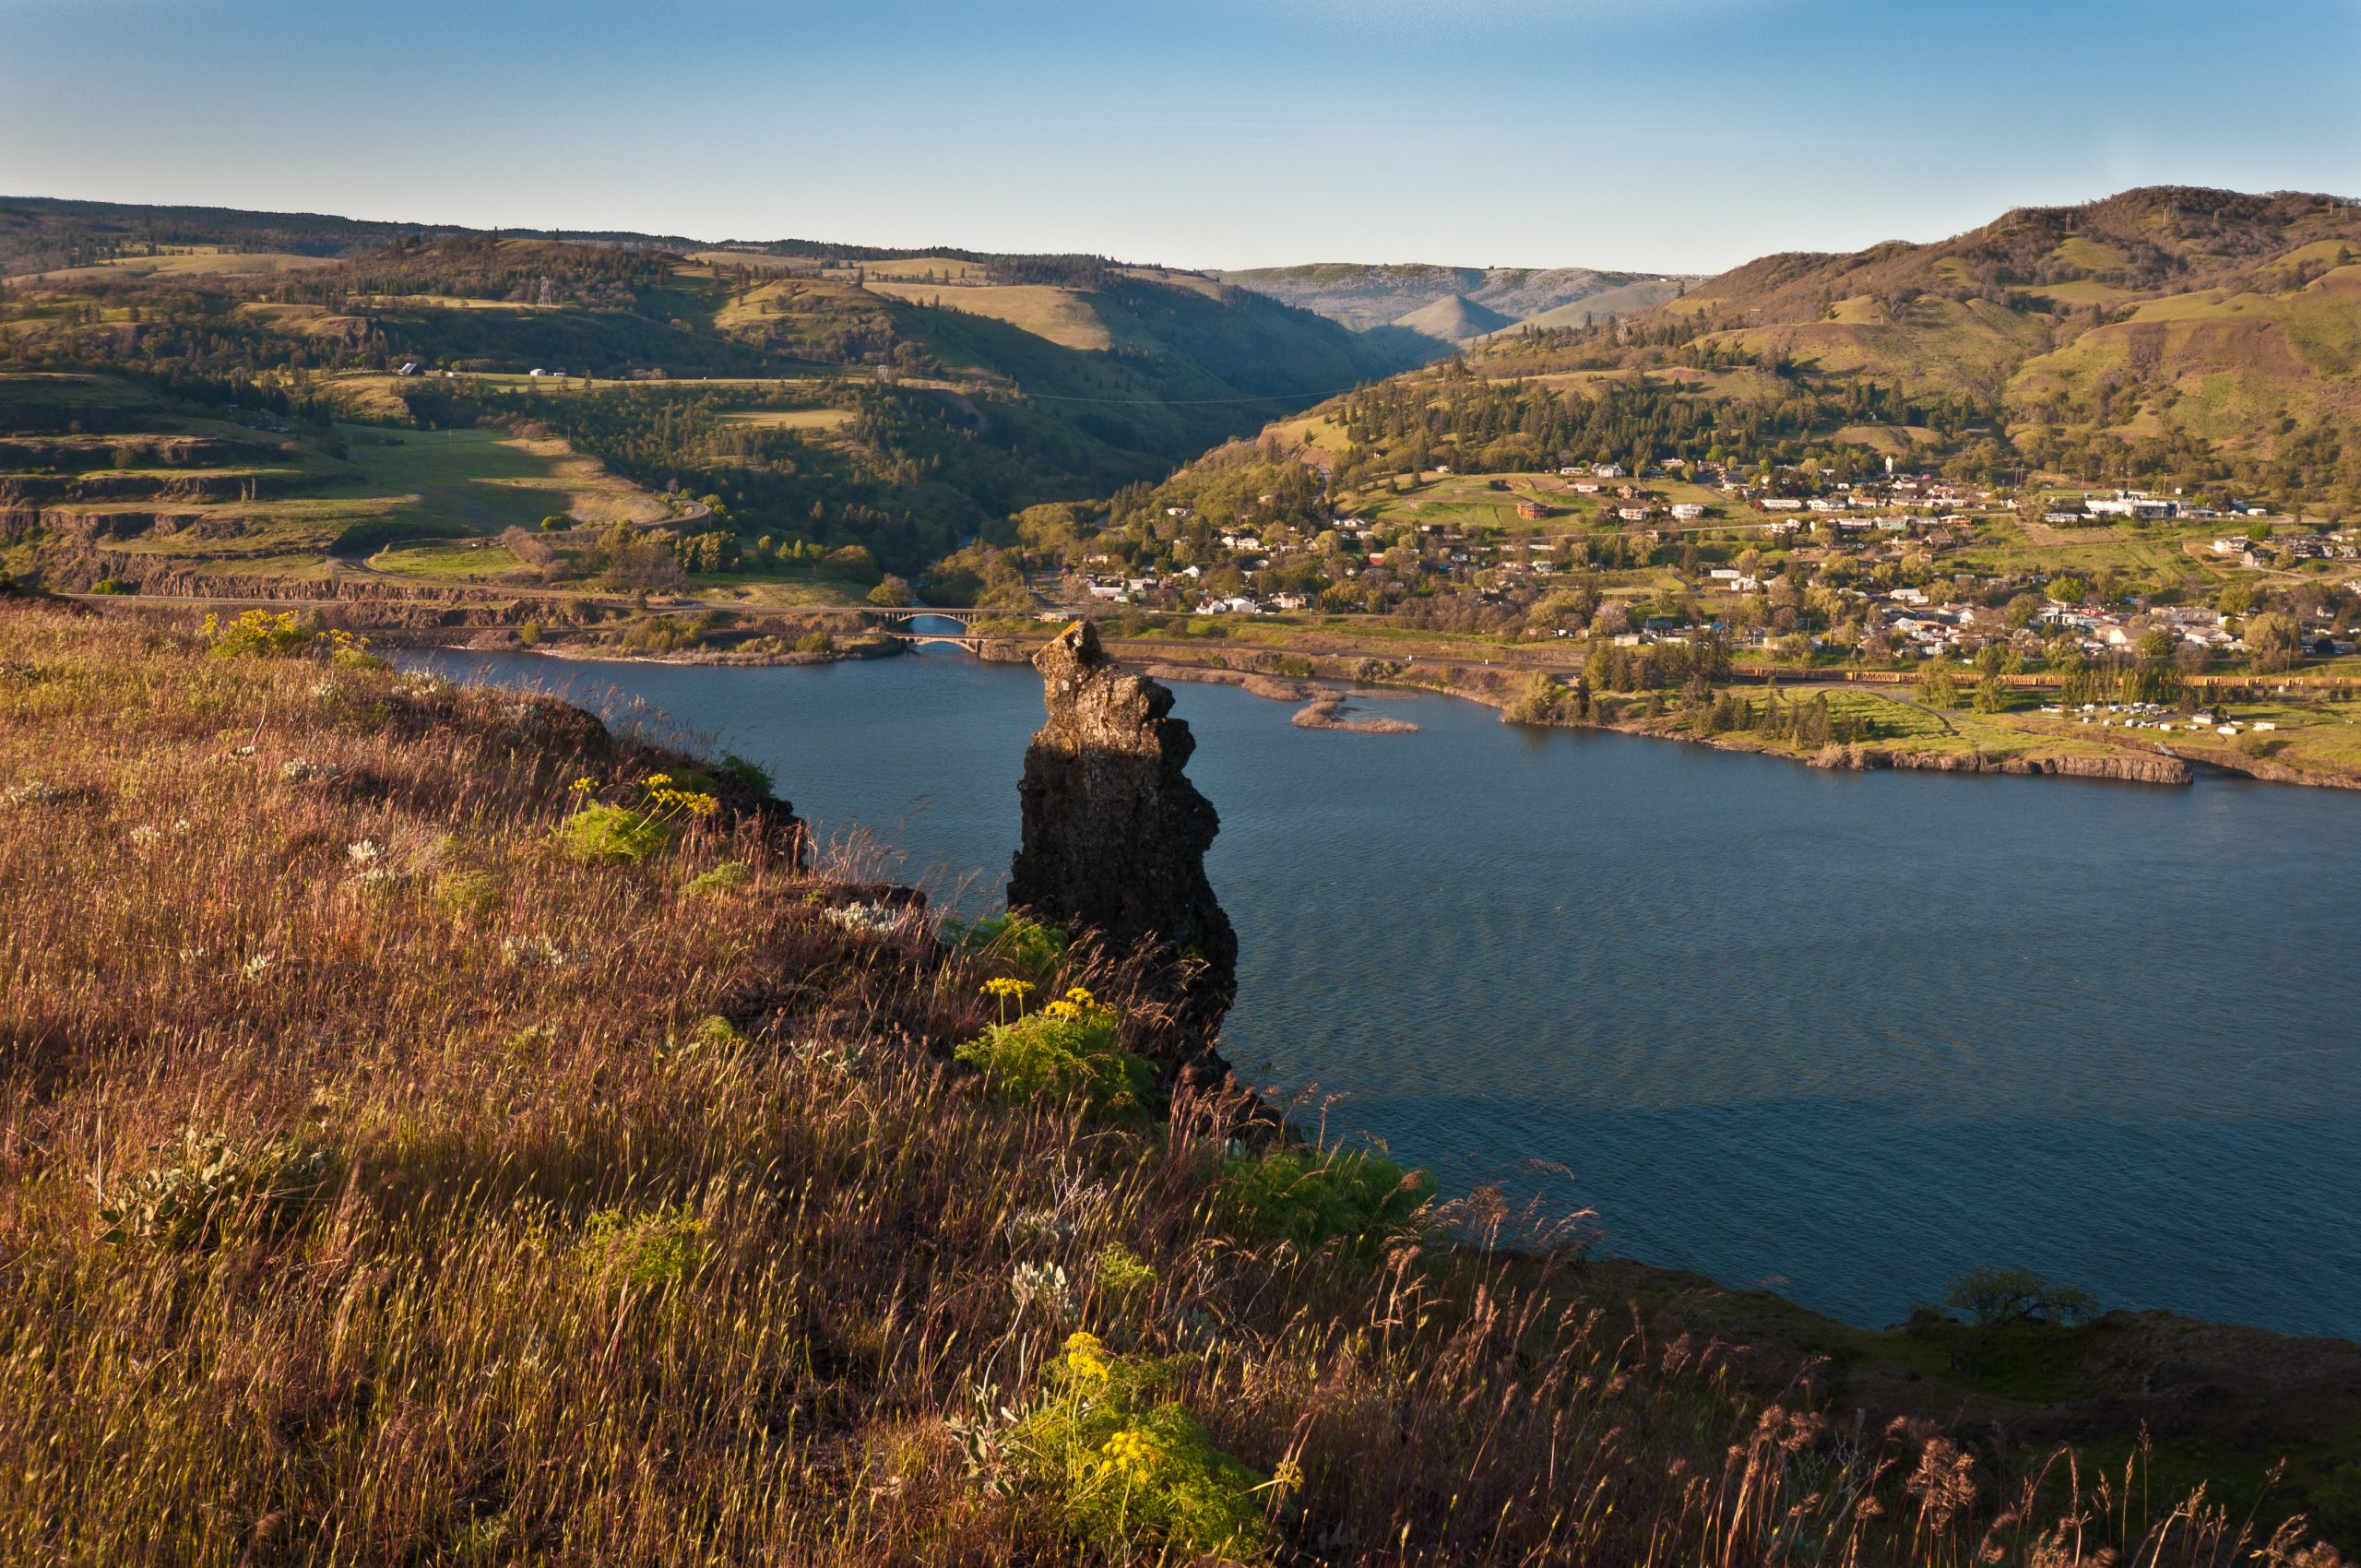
{"points": [[410, 1154]]}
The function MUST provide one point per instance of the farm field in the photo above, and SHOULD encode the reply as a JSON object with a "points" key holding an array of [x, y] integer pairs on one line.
{"points": [[190, 261], [486, 480], [1062, 315], [195, 494]]}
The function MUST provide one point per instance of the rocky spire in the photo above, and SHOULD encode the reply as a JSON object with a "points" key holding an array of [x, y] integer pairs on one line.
{"points": [[1115, 834]]}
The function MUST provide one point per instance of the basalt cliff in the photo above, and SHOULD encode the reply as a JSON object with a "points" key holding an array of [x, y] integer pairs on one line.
{"points": [[1115, 834]]}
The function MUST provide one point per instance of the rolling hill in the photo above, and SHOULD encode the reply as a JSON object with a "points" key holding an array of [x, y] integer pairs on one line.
{"points": [[1490, 298], [1455, 319], [2203, 308], [900, 401], [2201, 336]]}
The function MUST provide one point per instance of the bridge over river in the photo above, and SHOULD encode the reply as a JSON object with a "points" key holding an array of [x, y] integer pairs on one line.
{"points": [[902, 625]]}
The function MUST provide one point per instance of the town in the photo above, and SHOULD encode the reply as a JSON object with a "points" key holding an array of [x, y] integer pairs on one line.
{"points": [[1776, 561]]}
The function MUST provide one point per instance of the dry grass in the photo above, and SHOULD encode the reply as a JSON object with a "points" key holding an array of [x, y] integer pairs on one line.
{"points": [[597, 1281]]}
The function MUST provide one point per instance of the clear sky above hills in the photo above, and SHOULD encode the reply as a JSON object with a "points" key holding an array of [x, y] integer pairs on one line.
{"points": [[1673, 135]]}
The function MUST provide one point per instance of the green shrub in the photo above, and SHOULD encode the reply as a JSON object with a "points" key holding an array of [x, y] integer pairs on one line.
{"points": [[210, 1181], [727, 878], [1546, 700], [1068, 1049], [756, 779], [1135, 1473], [816, 642], [460, 893], [261, 632], [612, 833], [1121, 1270], [1995, 1296], [1032, 948], [1310, 1196], [648, 1251], [112, 586]]}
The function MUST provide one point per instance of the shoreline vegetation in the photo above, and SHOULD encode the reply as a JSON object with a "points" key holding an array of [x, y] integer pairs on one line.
{"points": [[514, 1148], [2014, 743]]}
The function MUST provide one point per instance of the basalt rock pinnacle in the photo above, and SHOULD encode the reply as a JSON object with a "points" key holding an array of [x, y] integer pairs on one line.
{"points": [[1115, 834]]}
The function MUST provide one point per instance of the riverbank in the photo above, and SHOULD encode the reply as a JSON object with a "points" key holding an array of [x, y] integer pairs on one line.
{"points": [[2290, 738], [1973, 754], [606, 1105]]}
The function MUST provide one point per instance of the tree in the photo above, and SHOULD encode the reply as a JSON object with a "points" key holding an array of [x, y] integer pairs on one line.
{"points": [[1938, 687], [2273, 644], [1990, 696], [1995, 1295], [892, 592]]}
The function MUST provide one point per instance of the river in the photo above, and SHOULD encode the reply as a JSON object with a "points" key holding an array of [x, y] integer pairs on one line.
{"points": [[1845, 1034]]}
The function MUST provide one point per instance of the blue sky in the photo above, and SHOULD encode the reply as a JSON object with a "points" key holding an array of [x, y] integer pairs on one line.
{"points": [[1670, 134]]}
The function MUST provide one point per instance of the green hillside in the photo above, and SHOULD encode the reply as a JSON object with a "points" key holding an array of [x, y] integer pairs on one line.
{"points": [[901, 403], [2161, 337]]}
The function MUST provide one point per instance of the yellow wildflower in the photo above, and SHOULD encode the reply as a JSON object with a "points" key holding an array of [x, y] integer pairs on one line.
{"points": [[656, 779], [1086, 1356], [1133, 1454]]}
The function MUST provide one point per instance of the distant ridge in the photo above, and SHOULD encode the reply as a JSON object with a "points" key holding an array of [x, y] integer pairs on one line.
{"points": [[1454, 319], [1364, 296]]}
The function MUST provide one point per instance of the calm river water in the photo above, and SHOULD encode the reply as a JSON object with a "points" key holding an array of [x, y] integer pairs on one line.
{"points": [[1847, 1034]]}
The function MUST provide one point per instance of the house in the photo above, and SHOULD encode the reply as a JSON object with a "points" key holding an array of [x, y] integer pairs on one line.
{"points": [[1688, 511], [1587, 487], [1780, 504], [1633, 513], [1607, 471], [2131, 503], [1532, 511]]}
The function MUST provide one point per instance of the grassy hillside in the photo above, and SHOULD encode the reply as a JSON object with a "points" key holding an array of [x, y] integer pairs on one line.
{"points": [[505, 1149], [103, 479], [902, 403], [2169, 338], [2156, 317]]}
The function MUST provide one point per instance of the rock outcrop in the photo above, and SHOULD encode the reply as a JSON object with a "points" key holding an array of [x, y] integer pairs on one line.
{"points": [[1115, 834], [2130, 767]]}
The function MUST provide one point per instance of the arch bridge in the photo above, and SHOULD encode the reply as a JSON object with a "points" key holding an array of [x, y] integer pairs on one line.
{"points": [[899, 624]]}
